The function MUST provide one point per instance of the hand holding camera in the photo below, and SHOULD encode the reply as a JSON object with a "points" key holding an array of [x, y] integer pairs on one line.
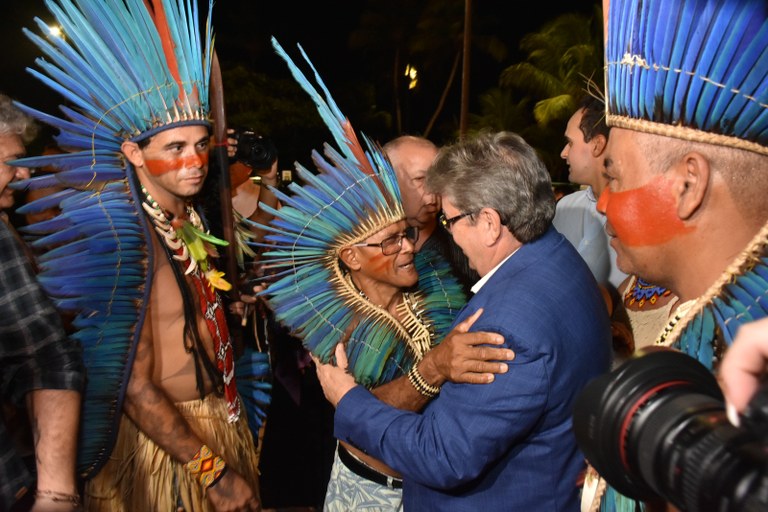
{"points": [[257, 152]]}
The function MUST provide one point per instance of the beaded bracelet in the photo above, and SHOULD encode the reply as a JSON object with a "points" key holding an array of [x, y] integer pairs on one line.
{"points": [[206, 467], [421, 385]]}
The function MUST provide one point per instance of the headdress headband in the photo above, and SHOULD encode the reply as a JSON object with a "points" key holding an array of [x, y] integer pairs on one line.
{"points": [[691, 69]]}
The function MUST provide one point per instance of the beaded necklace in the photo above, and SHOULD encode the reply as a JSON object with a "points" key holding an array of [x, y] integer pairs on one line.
{"points": [[191, 246], [187, 239], [419, 337], [680, 312], [642, 292]]}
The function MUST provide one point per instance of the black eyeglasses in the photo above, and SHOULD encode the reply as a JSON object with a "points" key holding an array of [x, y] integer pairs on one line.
{"points": [[448, 223], [392, 244]]}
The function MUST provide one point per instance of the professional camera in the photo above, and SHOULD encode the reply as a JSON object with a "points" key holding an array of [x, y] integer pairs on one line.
{"points": [[656, 426], [255, 151]]}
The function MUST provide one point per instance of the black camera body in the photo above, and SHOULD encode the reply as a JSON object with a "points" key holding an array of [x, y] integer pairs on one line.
{"points": [[256, 151], [656, 426]]}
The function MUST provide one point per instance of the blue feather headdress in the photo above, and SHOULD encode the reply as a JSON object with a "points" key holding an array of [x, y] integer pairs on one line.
{"points": [[691, 69], [127, 69], [354, 195]]}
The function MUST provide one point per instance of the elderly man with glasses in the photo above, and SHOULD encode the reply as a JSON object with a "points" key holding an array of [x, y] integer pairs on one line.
{"points": [[507, 445]]}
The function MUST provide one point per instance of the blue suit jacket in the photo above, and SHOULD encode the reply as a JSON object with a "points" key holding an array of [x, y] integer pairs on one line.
{"points": [[507, 445]]}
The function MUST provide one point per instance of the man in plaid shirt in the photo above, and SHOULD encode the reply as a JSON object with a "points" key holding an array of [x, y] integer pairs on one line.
{"points": [[41, 367]]}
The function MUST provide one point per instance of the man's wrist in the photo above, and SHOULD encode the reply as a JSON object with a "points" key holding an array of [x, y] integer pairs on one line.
{"points": [[430, 371], [67, 500], [206, 467], [420, 384]]}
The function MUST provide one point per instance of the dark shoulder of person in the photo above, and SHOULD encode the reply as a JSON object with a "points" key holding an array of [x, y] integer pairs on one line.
{"points": [[442, 242]]}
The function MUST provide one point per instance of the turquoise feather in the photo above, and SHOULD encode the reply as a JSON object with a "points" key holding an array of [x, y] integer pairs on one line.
{"points": [[253, 376]]}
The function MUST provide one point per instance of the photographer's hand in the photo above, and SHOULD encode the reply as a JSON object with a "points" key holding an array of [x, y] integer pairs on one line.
{"points": [[231, 143], [743, 367]]}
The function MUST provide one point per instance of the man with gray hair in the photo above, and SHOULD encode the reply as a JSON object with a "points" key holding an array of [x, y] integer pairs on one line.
{"points": [[506, 445], [411, 157], [16, 130], [42, 368]]}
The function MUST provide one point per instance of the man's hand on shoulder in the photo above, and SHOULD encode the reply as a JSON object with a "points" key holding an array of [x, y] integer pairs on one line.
{"points": [[464, 356], [335, 380]]}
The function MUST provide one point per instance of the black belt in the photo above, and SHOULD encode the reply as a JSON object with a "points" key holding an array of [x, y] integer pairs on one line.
{"points": [[361, 469]]}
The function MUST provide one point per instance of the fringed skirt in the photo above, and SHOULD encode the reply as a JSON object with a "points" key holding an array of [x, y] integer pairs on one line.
{"points": [[140, 476]]}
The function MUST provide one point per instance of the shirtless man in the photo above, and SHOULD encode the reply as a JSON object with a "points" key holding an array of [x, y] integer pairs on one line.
{"points": [[164, 397], [349, 276], [163, 426]]}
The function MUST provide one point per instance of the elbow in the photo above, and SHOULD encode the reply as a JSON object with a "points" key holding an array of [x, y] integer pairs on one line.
{"points": [[138, 389], [448, 476]]}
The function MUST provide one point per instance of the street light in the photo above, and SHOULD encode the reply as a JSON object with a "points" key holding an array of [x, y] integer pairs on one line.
{"points": [[413, 76]]}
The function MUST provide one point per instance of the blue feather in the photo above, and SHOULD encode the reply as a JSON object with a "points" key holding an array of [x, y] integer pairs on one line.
{"points": [[692, 63]]}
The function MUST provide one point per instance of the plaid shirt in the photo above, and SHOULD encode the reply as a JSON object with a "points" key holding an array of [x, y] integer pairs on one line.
{"points": [[35, 352]]}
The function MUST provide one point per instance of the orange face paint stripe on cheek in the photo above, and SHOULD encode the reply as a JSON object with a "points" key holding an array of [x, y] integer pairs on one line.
{"points": [[643, 216], [158, 167], [380, 263]]}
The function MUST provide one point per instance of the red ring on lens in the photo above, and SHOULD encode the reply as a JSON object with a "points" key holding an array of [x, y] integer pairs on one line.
{"points": [[630, 414]]}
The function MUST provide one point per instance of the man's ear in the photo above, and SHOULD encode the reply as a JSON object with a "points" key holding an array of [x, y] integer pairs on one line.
{"points": [[349, 256], [490, 225], [133, 153], [693, 173], [598, 142]]}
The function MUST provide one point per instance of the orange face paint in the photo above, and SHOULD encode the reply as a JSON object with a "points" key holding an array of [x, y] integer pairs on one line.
{"points": [[156, 167], [643, 216], [380, 264]]}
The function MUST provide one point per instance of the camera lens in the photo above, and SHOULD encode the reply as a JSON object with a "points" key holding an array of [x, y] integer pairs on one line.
{"points": [[656, 426], [255, 151]]}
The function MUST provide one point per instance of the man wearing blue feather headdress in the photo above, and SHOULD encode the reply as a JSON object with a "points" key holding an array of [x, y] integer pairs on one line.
{"points": [[687, 164], [163, 423]]}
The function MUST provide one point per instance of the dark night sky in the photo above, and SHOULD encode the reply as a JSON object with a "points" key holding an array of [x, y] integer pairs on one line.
{"points": [[322, 28]]}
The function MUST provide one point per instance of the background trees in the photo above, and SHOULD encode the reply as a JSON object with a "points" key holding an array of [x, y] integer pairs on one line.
{"points": [[530, 87], [527, 69]]}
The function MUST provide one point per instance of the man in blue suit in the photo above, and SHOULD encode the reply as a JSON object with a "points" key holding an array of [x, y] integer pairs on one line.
{"points": [[507, 445]]}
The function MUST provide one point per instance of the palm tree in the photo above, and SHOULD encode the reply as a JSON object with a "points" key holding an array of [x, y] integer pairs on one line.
{"points": [[537, 96], [425, 35], [561, 57]]}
